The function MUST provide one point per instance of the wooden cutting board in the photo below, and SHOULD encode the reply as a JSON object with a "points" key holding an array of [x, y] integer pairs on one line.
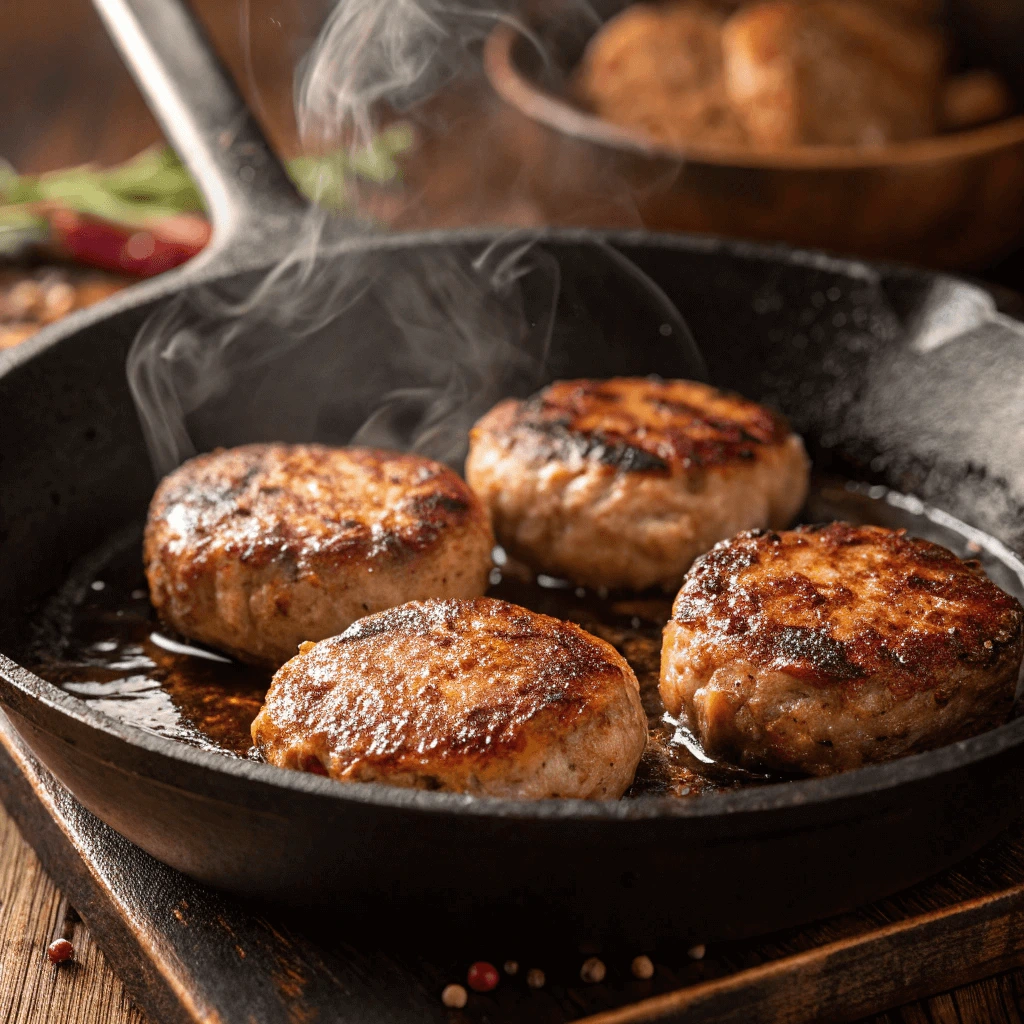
{"points": [[190, 955]]}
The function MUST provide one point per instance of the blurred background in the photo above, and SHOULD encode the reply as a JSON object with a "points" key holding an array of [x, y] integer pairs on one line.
{"points": [[68, 100], [884, 128]]}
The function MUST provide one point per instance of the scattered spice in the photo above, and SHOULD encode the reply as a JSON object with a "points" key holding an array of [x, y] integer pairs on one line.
{"points": [[482, 976], [535, 977], [511, 967], [30, 299], [593, 971], [454, 996], [59, 951], [696, 952], [642, 967]]}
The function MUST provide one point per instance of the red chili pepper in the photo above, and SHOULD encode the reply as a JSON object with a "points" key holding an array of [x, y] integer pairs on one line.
{"points": [[482, 976], [139, 251]]}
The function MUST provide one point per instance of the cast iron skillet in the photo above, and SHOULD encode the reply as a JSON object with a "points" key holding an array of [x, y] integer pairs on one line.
{"points": [[895, 375]]}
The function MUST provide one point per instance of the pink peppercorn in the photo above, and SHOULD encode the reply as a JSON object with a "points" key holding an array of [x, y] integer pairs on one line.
{"points": [[60, 950], [482, 976]]}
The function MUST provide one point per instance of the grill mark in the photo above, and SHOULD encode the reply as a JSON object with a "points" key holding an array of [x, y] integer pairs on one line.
{"points": [[639, 425], [746, 602], [565, 443]]}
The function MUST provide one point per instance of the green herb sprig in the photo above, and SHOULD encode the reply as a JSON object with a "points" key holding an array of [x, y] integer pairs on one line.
{"points": [[155, 184]]}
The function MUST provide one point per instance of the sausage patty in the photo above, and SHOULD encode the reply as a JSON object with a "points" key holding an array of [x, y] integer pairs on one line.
{"points": [[835, 72], [255, 549], [658, 68], [478, 697], [623, 482], [828, 647]]}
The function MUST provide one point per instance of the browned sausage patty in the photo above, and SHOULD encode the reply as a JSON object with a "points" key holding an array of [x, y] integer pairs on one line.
{"points": [[623, 482], [658, 68], [256, 549], [478, 697], [831, 72], [825, 648]]}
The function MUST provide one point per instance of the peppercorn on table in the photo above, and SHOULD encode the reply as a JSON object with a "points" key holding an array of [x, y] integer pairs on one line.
{"points": [[187, 955]]}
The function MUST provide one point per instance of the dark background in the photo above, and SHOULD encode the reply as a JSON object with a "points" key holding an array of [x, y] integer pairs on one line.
{"points": [[68, 100]]}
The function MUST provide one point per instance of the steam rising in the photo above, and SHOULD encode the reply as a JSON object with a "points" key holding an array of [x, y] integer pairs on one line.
{"points": [[397, 53], [401, 349], [381, 345]]}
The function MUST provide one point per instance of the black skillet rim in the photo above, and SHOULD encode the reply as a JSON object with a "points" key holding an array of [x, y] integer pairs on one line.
{"points": [[775, 797]]}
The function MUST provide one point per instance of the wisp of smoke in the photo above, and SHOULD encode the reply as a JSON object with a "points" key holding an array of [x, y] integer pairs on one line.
{"points": [[394, 348], [397, 53], [375, 344]]}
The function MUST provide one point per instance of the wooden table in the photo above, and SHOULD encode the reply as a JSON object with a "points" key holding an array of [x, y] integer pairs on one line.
{"points": [[32, 914], [172, 938], [66, 99]]}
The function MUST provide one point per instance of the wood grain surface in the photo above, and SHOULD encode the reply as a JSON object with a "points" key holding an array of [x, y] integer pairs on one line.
{"points": [[191, 956], [66, 99], [32, 914]]}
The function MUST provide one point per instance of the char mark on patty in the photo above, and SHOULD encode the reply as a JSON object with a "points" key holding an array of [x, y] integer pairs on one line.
{"points": [[880, 603], [638, 426]]}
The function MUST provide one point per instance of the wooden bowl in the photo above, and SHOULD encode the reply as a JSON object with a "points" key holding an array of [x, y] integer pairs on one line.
{"points": [[953, 201]]}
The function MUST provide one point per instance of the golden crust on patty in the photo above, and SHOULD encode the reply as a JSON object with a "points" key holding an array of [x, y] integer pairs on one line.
{"points": [[657, 68], [638, 424], [474, 696], [255, 549], [826, 647], [623, 482], [833, 72]]}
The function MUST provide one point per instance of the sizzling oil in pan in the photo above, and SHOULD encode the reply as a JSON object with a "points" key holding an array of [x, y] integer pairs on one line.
{"points": [[99, 640]]}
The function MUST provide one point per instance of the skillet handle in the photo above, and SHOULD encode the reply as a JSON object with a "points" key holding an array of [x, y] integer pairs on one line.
{"points": [[250, 198]]}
